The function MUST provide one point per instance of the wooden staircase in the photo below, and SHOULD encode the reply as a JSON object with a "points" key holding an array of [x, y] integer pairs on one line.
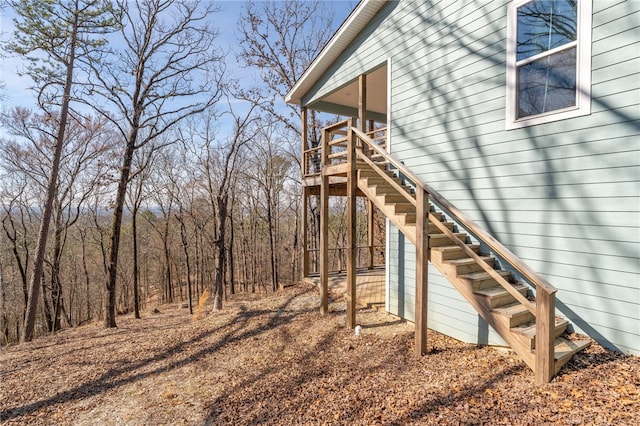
{"points": [[521, 310], [514, 321]]}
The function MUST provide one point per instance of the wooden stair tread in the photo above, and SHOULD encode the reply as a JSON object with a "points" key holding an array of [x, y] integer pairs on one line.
{"points": [[499, 290], [496, 296], [529, 329], [511, 309], [466, 261], [400, 207], [454, 248], [475, 276], [461, 235], [565, 349], [513, 314]]}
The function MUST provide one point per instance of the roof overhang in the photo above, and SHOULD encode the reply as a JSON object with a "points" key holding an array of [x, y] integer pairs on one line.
{"points": [[348, 31]]}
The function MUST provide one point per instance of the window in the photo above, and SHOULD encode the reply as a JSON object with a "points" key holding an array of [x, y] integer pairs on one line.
{"points": [[548, 61]]}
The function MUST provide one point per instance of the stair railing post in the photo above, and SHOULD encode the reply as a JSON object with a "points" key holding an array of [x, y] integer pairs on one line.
{"points": [[422, 270], [351, 227], [370, 231], [324, 225], [545, 335]]}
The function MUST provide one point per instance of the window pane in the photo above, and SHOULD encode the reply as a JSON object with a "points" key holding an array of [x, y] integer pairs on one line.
{"points": [[547, 84], [544, 25]]}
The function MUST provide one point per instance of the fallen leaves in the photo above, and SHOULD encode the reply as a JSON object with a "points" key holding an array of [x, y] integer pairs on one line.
{"points": [[276, 361]]}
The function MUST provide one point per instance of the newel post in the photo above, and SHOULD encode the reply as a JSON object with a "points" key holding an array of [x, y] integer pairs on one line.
{"points": [[422, 270], [545, 335]]}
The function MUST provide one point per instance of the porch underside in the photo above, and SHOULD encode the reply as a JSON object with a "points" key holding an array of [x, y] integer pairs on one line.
{"points": [[370, 285]]}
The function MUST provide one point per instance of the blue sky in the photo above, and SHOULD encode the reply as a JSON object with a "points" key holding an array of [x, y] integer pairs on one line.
{"points": [[16, 92]]}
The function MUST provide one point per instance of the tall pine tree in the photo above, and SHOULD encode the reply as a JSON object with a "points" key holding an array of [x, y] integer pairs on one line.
{"points": [[55, 37]]}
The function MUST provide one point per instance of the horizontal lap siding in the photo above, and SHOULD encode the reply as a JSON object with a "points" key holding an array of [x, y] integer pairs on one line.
{"points": [[564, 196]]}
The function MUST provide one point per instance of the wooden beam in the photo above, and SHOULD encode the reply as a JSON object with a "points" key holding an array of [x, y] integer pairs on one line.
{"points": [[304, 136], [422, 271], [545, 327], [351, 229], [362, 102]]}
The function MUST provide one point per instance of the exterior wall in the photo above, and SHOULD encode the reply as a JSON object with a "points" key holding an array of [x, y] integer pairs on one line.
{"points": [[563, 196]]}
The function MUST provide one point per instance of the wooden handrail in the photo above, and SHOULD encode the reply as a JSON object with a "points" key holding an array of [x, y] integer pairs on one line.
{"points": [[336, 126], [463, 220]]}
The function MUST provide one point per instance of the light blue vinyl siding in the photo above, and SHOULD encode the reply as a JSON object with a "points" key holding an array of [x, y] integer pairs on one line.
{"points": [[564, 196]]}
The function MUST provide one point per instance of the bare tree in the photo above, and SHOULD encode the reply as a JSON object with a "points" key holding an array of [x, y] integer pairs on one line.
{"points": [[169, 70], [221, 169], [81, 169], [163, 203], [281, 39], [269, 171], [142, 163]]}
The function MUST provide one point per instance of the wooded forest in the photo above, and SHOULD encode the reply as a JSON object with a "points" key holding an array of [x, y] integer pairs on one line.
{"points": [[145, 172]]}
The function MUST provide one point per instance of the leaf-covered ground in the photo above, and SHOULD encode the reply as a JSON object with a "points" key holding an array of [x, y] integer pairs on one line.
{"points": [[277, 361]]}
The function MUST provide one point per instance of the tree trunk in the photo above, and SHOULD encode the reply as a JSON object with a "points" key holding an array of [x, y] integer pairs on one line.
{"points": [[38, 264], [136, 291], [272, 247], [185, 247], [232, 277], [56, 284], [110, 294], [4, 323], [218, 289]]}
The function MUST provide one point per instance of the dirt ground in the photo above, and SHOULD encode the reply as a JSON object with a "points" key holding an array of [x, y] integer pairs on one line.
{"points": [[277, 361]]}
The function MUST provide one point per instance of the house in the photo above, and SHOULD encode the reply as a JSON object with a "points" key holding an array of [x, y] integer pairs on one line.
{"points": [[510, 159]]}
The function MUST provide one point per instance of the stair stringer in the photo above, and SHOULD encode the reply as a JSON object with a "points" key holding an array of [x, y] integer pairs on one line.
{"points": [[501, 324]]}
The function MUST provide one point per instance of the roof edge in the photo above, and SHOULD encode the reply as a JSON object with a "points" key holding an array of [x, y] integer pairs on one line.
{"points": [[348, 31]]}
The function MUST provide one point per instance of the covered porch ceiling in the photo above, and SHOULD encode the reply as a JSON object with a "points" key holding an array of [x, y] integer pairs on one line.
{"points": [[344, 101]]}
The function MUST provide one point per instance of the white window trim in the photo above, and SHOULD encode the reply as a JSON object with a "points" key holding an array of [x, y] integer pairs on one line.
{"points": [[583, 77]]}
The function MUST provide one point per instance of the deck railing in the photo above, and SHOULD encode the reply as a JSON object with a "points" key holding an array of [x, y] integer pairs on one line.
{"points": [[337, 148]]}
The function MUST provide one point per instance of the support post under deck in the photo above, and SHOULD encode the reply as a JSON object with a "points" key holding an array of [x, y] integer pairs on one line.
{"points": [[324, 230], [351, 229]]}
